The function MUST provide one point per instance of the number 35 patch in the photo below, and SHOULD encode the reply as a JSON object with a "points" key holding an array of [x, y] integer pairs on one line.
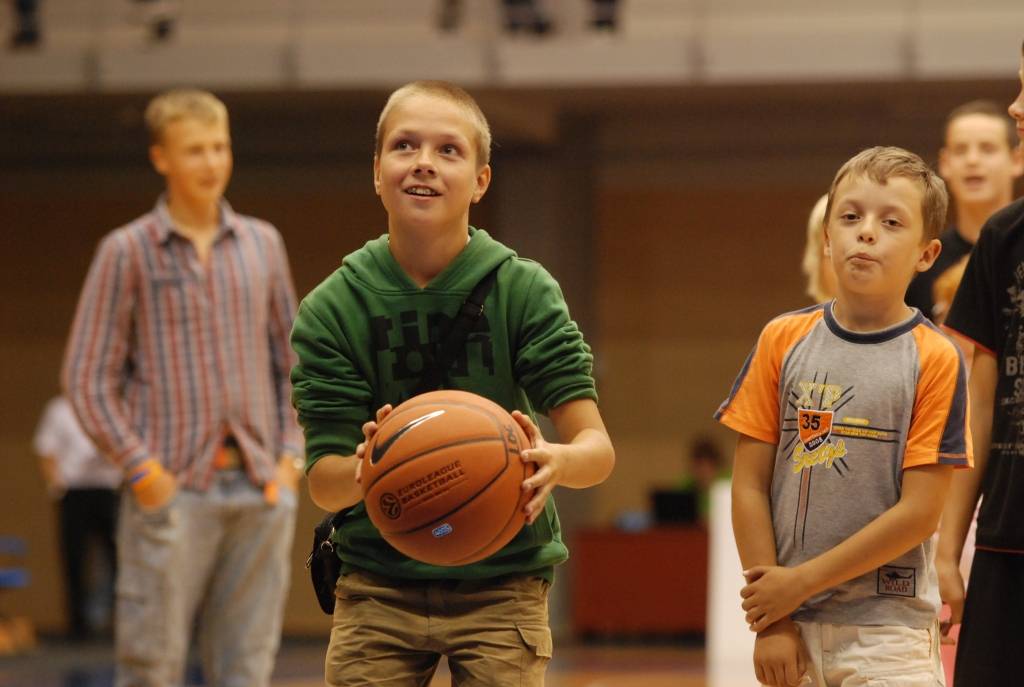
{"points": [[815, 427]]}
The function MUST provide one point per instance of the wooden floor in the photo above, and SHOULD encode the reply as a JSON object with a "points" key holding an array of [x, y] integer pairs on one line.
{"points": [[300, 664]]}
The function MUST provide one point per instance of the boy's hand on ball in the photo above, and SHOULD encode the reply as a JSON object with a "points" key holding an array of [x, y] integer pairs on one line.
{"points": [[383, 412], [549, 461], [369, 430]]}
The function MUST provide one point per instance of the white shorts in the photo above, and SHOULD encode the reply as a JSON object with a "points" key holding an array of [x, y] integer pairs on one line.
{"points": [[871, 656]]}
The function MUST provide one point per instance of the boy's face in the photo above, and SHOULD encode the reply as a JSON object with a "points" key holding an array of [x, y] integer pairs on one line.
{"points": [[874, 236], [1016, 109], [427, 174], [977, 162], [194, 156]]}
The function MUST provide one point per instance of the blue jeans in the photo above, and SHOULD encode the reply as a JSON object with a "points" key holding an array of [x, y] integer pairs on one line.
{"points": [[221, 557]]}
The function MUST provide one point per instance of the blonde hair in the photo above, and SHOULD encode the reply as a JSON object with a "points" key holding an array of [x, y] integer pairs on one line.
{"points": [[880, 164], [172, 106], [813, 251], [446, 91], [987, 108]]}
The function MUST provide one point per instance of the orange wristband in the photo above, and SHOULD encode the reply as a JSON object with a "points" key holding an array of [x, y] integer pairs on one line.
{"points": [[271, 492]]}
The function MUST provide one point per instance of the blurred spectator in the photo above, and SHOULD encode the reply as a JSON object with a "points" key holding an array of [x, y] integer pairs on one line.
{"points": [[159, 16], [979, 161], [604, 14], [705, 466], [26, 24], [177, 367], [529, 16], [85, 486], [526, 16], [448, 18]]}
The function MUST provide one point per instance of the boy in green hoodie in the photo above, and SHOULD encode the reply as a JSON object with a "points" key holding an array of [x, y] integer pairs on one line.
{"points": [[361, 336]]}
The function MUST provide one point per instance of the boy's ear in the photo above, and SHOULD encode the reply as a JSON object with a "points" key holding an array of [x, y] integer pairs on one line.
{"points": [[376, 175], [157, 158], [483, 181], [929, 253], [826, 248]]}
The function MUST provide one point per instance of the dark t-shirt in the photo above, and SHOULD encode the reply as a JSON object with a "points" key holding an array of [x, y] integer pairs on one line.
{"points": [[919, 293], [989, 309]]}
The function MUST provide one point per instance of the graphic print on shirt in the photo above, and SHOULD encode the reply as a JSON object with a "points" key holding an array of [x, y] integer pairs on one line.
{"points": [[815, 405], [403, 351], [1012, 399], [820, 436]]}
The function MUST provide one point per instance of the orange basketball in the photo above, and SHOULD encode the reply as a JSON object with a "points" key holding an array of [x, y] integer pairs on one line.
{"points": [[442, 478]]}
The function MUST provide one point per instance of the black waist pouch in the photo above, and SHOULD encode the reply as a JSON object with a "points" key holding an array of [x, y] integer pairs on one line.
{"points": [[323, 562]]}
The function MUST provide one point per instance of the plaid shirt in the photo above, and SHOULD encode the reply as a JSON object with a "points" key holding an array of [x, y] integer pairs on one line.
{"points": [[167, 356]]}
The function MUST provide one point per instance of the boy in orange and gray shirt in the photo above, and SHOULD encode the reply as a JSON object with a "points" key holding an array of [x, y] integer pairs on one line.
{"points": [[852, 415]]}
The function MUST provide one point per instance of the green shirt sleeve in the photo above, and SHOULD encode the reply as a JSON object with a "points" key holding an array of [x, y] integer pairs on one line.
{"points": [[552, 361], [330, 395]]}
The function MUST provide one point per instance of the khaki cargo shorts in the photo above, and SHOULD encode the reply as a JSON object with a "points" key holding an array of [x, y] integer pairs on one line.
{"points": [[392, 633]]}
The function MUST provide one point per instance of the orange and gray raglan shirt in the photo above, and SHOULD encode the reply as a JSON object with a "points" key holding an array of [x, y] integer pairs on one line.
{"points": [[849, 412]]}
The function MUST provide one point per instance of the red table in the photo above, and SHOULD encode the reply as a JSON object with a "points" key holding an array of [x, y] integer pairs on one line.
{"points": [[648, 582]]}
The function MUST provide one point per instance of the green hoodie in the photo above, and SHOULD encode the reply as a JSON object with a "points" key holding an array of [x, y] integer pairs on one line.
{"points": [[359, 336]]}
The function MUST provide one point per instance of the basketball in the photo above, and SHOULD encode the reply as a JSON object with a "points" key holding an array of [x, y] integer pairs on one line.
{"points": [[442, 478]]}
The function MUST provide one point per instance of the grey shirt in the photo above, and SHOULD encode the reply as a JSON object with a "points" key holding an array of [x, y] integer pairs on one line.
{"points": [[849, 412]]}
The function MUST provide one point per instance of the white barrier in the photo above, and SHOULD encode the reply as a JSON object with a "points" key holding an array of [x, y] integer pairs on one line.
{"points": [[730, 645]]}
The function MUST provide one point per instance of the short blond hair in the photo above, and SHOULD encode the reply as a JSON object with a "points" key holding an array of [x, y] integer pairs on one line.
{"points": [[447, 91], [172, 106], [813, 250], [986, 108], [881, 163]]}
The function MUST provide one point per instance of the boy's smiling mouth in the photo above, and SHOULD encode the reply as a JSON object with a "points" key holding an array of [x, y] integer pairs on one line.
{"points": [[421, 191]]}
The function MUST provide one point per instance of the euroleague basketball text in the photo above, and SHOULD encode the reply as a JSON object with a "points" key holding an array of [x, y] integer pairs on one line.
{"points": [[423, 488]]}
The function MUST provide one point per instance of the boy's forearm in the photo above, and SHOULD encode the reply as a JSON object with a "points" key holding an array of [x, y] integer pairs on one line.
{"points": [[332, 482], [752, 528], [751, 503], [589, 459], [587, 451]]}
